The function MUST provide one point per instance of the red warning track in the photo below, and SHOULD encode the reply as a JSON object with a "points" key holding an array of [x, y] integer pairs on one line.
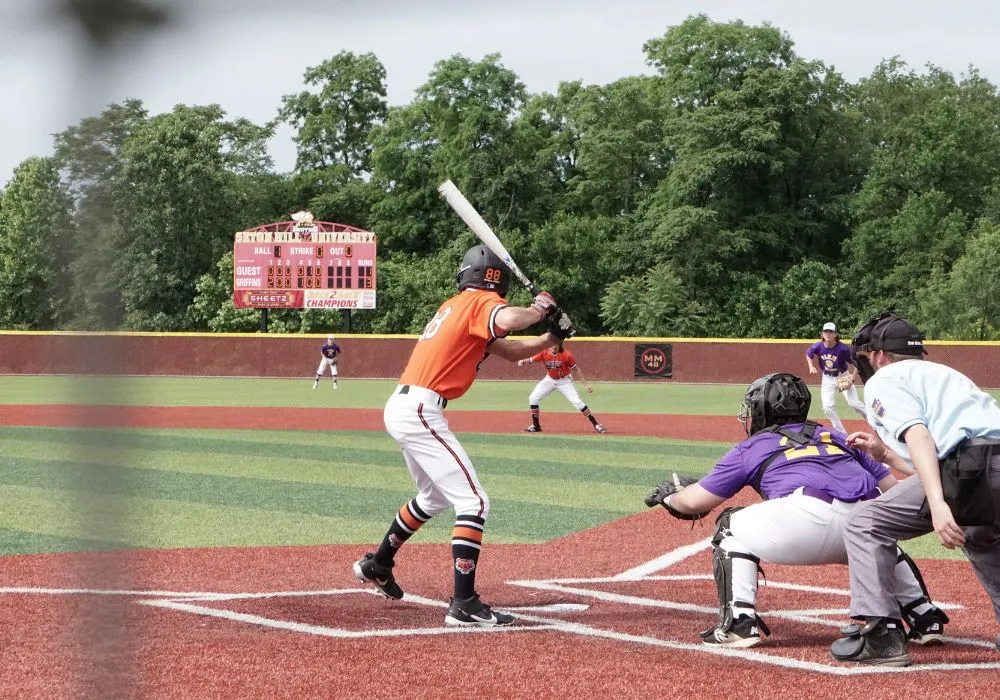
{"points": [[721, 428]]}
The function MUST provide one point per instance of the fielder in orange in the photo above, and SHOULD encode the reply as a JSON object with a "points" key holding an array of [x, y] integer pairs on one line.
{"points": [[467, 329], [560, 366]]}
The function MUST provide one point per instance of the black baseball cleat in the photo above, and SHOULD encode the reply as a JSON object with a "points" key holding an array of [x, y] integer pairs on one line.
{"points": [[600, 428], [880, 641], [369, 570], [532, 429], [475, 613], [742, 634], [927, 629]]}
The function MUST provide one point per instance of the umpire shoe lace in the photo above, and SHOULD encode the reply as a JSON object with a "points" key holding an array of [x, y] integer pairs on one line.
{"points": [[367, 569], [475, 613], [744, 633]]}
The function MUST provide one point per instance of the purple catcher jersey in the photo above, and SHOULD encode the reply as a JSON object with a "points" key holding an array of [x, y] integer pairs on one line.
{"points": [[832, 361], [330, 351], [828, 465]]}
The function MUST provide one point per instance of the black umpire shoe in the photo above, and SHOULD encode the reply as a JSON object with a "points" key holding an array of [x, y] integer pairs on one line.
{"points": [[367, 569], [475, 613], [880, 641]]}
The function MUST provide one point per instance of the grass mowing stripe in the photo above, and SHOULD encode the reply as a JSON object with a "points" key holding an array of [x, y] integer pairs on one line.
{"points": [[515, 476], [326, 500], [26, 542], [152, 522]]}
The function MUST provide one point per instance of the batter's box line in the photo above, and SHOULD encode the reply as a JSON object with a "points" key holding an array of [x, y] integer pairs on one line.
{"points": [[186, 606]]}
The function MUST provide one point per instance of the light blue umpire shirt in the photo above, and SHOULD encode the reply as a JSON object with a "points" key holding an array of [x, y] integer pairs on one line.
{"points": [[952, 407]]}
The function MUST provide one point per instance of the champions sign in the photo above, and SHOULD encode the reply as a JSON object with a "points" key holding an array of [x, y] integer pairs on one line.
{"points": [[304, 264]]}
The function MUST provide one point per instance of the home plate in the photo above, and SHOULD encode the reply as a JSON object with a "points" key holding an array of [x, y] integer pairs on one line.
{"points": [[552, 608]]}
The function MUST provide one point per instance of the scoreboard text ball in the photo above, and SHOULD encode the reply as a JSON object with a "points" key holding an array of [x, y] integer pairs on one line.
{"points": [[318, 266]]}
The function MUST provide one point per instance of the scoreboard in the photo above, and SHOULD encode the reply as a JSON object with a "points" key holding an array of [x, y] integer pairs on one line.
{"points": [[304, 265]]}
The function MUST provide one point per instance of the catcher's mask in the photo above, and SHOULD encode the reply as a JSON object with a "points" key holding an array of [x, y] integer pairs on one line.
{"points": [[775, 399], [888, 332], [483, 269]]}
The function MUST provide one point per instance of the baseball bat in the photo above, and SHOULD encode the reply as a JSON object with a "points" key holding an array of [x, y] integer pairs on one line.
{"points": [[483, 232]]}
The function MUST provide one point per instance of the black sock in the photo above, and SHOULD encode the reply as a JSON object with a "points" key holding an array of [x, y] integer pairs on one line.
{"points": [[407, 521], [590, 416], [466, 539], [534, 416]]}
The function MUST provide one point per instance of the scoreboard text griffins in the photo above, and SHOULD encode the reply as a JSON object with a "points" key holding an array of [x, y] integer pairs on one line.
{"points": [[304, 264]]}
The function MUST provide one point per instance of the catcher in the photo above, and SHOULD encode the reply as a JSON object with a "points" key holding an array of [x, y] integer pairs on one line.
{"points": [[810, 479]]}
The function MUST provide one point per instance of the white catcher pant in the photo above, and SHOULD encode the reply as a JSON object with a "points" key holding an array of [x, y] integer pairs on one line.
{"points": [[829, 393], [327, 362], [797, 530], [566, 387], [437, 462]]}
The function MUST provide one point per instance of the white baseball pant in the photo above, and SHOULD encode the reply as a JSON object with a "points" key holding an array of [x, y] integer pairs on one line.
{"points": [[798, 530], [828, 392], [566, 387], [438, 463], [327, 362]]}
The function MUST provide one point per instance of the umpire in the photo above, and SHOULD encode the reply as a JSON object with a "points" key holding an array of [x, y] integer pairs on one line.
{"points": [[938, 420]]}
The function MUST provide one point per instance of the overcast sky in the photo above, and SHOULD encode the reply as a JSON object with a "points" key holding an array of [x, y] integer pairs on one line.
{"points": [[246, 54]]}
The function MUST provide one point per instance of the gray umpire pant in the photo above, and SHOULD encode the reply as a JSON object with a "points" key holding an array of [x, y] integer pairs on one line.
{"points": [[874, 527]]}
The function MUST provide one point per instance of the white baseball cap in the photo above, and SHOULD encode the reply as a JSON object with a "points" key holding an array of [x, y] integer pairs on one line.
{"points": [[330, 338], [830, 326]]}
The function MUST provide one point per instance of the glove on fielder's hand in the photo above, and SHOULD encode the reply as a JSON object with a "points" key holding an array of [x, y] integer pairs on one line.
{"points": [[560, 325], [844, 383], [658, 496]]}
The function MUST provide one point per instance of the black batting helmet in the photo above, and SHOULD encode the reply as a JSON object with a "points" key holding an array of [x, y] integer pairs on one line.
{"points": [[483, 269], [775, 399]]}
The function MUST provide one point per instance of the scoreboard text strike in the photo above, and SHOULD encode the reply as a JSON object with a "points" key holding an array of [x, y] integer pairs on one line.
{"points": [[304, 267]]}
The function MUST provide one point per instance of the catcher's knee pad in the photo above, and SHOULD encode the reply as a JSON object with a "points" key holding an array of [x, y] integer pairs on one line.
{"points": [[722, 570], [722, 524]]}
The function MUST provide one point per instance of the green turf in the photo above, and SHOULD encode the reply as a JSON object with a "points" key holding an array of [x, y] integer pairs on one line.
{"points": [[67, 490], [610, 397]]}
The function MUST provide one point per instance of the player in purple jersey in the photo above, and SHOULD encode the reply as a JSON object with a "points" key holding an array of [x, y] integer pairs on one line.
{"points": [[837, 365], [330, 352], [810, 479]]}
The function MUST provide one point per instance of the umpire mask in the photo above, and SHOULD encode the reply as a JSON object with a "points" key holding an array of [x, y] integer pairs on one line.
{"points": [[887, 332]]}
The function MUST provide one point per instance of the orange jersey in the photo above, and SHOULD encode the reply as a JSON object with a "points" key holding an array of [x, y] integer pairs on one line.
{"points": [[558, 365], [447, 356]]}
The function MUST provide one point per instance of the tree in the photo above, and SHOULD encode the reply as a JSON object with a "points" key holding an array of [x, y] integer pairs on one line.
{"points": [[964, 304], [37, 243], [762, 157], [185, 172], [656, 304], [89, 156], [334, 121]]}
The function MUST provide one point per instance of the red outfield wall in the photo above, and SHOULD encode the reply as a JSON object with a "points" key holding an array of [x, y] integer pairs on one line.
{"points": [[254, 355]]}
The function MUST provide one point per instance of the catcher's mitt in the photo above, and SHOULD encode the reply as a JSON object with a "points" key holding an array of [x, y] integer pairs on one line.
{"points": [[845, 382], [658, 496]]}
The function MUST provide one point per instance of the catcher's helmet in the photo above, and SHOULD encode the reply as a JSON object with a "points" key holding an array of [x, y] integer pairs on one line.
{"points": [[483, 269], [775, 399], [888, 332]]}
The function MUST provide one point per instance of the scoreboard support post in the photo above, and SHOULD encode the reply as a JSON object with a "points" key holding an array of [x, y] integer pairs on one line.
{"points": [[347, 320], [263, 320]]}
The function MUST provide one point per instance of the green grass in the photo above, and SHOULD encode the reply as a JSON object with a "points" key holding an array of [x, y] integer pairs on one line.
{"points": [[608, 397], [71, 490]]}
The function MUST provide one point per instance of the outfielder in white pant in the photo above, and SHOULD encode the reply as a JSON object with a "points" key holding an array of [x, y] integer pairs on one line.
{"points": [[828, 392], [811, 480], [835, 361], [330, 352]]}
